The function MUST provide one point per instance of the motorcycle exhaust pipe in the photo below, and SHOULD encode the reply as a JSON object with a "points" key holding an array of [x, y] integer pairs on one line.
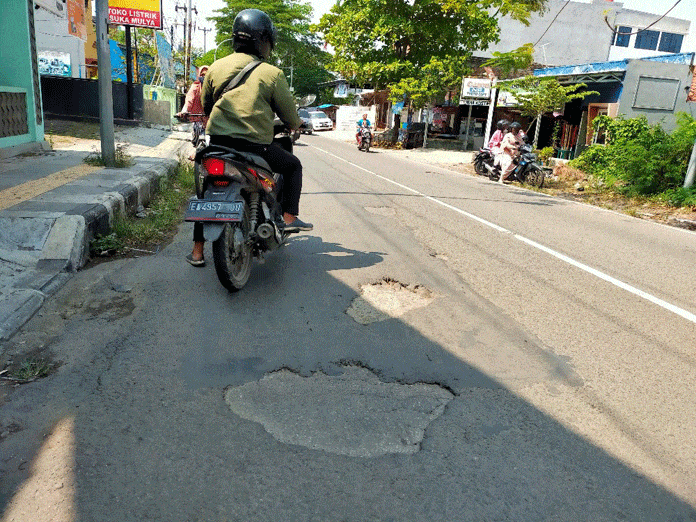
{"points": [[265, 230]]}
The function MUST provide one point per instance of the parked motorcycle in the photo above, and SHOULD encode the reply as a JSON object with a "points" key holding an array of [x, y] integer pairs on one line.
{"points": [[238, 202], [526, 170], [364, 138]]}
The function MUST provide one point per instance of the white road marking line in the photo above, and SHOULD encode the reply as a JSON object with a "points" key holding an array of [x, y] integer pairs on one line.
{"points": [[601, 275]]}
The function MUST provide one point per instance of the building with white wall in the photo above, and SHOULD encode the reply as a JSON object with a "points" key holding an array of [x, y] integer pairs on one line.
{"points": [[576, 32], [633, 40], [61, 32]]}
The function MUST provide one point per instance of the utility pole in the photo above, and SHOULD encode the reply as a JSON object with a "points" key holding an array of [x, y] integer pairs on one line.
{"points": [[187, 71], [106, 102], [691, 170], [205, 33]]}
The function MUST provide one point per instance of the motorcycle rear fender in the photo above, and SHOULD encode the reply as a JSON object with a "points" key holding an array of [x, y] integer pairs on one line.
{"points": [[212, 231], [233, 192]]}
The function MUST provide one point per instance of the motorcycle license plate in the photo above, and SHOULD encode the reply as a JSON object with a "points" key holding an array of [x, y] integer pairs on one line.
{"points": [[200, 210]]}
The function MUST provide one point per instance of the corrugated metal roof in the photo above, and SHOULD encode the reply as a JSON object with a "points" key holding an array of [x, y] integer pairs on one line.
{"points": [[618, 66]]}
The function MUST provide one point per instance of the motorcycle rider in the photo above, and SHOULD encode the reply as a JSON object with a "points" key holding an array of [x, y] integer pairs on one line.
{"points": [[192, 104], [509, 148], [497, 138], [364, 122], [242, 118]]}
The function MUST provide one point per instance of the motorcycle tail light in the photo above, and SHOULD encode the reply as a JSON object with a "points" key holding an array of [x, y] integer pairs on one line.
{"points": [[214, 166], [266, 181]]}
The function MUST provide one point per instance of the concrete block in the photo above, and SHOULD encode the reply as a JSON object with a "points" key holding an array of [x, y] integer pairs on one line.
{"points": [[157, 112], [66, 246]]}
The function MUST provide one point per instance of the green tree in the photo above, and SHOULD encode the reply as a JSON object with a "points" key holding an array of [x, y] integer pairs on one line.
{"points": [[297, 48], [537, 96], [417, 48]]}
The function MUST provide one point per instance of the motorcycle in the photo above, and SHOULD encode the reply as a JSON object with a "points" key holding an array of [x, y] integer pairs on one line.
{"points": [[238, 202], [526, 170], [197, 130], [482, 158], [364, 138]]}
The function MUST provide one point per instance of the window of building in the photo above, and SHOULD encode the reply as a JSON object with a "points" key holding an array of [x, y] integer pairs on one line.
{"points": [[671, 43], [647, 40], [622, 38]]}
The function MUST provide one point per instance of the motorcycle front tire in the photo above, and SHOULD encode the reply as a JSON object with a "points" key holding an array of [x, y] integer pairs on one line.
{"points": [[232, 268]]}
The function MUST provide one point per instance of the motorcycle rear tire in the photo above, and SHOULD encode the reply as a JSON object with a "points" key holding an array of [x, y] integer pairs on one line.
{"points": [[535, 177], [198, 179], [480, 168], [233, 269]]}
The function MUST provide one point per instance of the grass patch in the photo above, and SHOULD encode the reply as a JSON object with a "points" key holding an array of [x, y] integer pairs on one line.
{"points": [[30, 370], [73, 129], [157, 223], [121, 157]]}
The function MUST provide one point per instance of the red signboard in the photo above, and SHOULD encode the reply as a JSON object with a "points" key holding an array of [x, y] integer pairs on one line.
{"points": [[137, 13]]}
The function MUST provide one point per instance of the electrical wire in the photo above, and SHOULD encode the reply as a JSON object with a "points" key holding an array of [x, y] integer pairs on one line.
{"points": [[552, 21], [613, 29]]}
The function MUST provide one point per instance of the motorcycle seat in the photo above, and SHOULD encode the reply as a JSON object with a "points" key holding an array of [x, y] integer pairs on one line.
{"points": [[255, 159], [248, 157]]}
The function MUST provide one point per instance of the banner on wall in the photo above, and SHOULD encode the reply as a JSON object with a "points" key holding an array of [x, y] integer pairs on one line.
{"points": [[136, 13], [54, 63], [76, 19], [166, 62], [691, 97]]}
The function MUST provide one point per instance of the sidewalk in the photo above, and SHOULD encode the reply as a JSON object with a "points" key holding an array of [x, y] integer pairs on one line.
{"points": [[52, 204]]}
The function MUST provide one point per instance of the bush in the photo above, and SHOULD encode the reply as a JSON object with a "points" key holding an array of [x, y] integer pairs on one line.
{"points": [[643, 159], [680, 197]]}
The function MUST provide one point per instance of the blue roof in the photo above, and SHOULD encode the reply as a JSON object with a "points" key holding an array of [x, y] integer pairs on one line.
{"points": [[616, 66]]}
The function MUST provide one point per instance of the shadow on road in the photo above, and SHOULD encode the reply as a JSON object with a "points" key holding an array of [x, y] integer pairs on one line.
{"points": [[137, 408]]}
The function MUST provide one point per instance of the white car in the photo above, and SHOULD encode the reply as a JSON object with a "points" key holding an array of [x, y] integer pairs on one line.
{"points": [[320, 121]]}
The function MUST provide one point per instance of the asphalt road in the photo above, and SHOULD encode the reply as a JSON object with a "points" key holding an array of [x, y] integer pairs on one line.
{"points": [[439, 347]]}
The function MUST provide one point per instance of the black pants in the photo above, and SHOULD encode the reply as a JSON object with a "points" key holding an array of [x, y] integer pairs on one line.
{"points": [[279, 160]]}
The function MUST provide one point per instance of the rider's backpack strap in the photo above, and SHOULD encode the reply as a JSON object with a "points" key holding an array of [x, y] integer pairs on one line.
{"points": [[240, 77]]}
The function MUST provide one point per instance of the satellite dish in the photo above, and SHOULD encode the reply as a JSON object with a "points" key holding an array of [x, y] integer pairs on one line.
{"points": [[308, 100]]}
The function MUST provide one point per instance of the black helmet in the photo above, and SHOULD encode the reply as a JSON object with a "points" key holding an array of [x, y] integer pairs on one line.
{"points": [[502, 124], [514, 126], [251, 29]]}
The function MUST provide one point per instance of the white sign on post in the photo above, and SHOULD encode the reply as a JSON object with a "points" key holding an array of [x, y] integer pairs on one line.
{"points": [[476, 88]]}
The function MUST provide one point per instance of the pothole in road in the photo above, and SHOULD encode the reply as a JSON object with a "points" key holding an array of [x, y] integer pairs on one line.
{"points": [[382, 211], [352, 414], [386, 299]]}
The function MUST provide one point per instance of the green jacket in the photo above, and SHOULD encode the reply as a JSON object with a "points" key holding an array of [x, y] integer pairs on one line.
{"points": [[248, 110]]}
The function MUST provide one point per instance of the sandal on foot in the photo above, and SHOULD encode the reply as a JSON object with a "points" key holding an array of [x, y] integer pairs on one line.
{"points": [[195, 262]]}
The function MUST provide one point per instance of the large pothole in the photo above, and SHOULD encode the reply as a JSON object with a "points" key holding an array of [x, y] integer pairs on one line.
{"points": [[386, 299], [352, 414]]}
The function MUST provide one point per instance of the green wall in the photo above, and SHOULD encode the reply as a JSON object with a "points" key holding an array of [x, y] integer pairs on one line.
{"points": [[16, 66], [162, 94]]}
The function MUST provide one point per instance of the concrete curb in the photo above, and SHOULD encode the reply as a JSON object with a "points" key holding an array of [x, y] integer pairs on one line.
{"points": [[66, 247]]}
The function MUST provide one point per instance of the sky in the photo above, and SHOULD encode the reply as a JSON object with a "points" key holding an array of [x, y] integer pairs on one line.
{"points": [[686, 9]]}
